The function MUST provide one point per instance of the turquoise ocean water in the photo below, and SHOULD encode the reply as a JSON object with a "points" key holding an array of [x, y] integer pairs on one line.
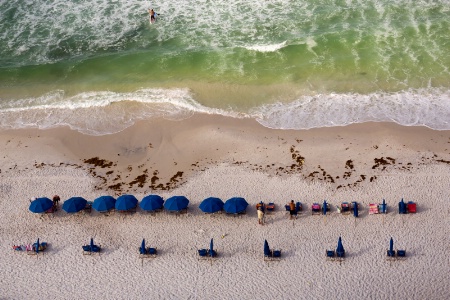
{"points": [[98, 65]]}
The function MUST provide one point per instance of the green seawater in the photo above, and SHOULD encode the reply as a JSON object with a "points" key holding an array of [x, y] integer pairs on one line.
{"points": [[231, 55]]}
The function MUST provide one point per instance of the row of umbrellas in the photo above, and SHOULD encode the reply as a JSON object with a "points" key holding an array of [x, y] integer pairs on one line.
{"points": [[148, 203]]}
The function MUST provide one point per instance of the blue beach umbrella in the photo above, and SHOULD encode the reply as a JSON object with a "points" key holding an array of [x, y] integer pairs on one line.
{"points": [[235, 205], [104, 203], [211, 205], [142, 249], [324, 207], [383, 207], [40, 205], [340, 248], [176, 203], [126, 202], [211, 248], [355, 209], [151, 202], [402, 207], [74, 204], [266, 248]]}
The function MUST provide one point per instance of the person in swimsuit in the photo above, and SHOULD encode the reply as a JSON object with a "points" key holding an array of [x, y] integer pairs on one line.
{"points": [[152, 15]]}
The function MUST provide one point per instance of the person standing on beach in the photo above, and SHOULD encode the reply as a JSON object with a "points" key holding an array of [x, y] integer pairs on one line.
{"points": [[292, 210], [56, 201], [260, 215]]}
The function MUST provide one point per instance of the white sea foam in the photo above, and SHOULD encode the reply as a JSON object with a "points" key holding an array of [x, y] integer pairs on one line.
{"points": [[98, 113], [427, 107], [267, 48]]}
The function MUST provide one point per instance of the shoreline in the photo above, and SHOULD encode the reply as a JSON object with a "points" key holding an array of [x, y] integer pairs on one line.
{"points": [[160, 154]]}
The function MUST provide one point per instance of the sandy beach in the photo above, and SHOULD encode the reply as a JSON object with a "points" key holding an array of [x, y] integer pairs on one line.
{"points": [[205, 156]]}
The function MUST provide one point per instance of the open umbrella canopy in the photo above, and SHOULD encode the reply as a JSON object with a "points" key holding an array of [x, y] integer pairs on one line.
{"points": [[235, 205], [40, 205], [74, 204], [176, 203], [211, 205], [104, 203], [126, 202], [151, 202]]}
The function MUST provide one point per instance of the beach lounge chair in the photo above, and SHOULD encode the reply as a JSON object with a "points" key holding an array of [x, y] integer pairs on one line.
{"points": [[37, 248], [401, 254], [411, 207], [270, 207], [202, 254], [330, 254], [316, 209], [345, 208], [373, 209], [298, 207], [271, 255], [91, 248], [147, 252]]}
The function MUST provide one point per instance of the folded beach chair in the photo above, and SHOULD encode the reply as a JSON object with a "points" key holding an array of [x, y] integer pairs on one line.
{"points": [[298, 207], [316, 209], [355, 208], [402, 207]]}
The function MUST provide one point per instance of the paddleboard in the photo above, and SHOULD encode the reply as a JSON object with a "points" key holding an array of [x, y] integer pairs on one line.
{"points": [[152, 21]]}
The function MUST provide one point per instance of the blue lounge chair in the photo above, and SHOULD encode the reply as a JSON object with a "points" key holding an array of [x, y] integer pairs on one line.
{"points": [[145, 252], [202, 254], [270, 255], [330, 254], [298, 207], [401, 254], [316, 209]]}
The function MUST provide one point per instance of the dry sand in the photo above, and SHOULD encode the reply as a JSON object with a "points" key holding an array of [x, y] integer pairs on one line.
{"points": [[213, 156]]}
